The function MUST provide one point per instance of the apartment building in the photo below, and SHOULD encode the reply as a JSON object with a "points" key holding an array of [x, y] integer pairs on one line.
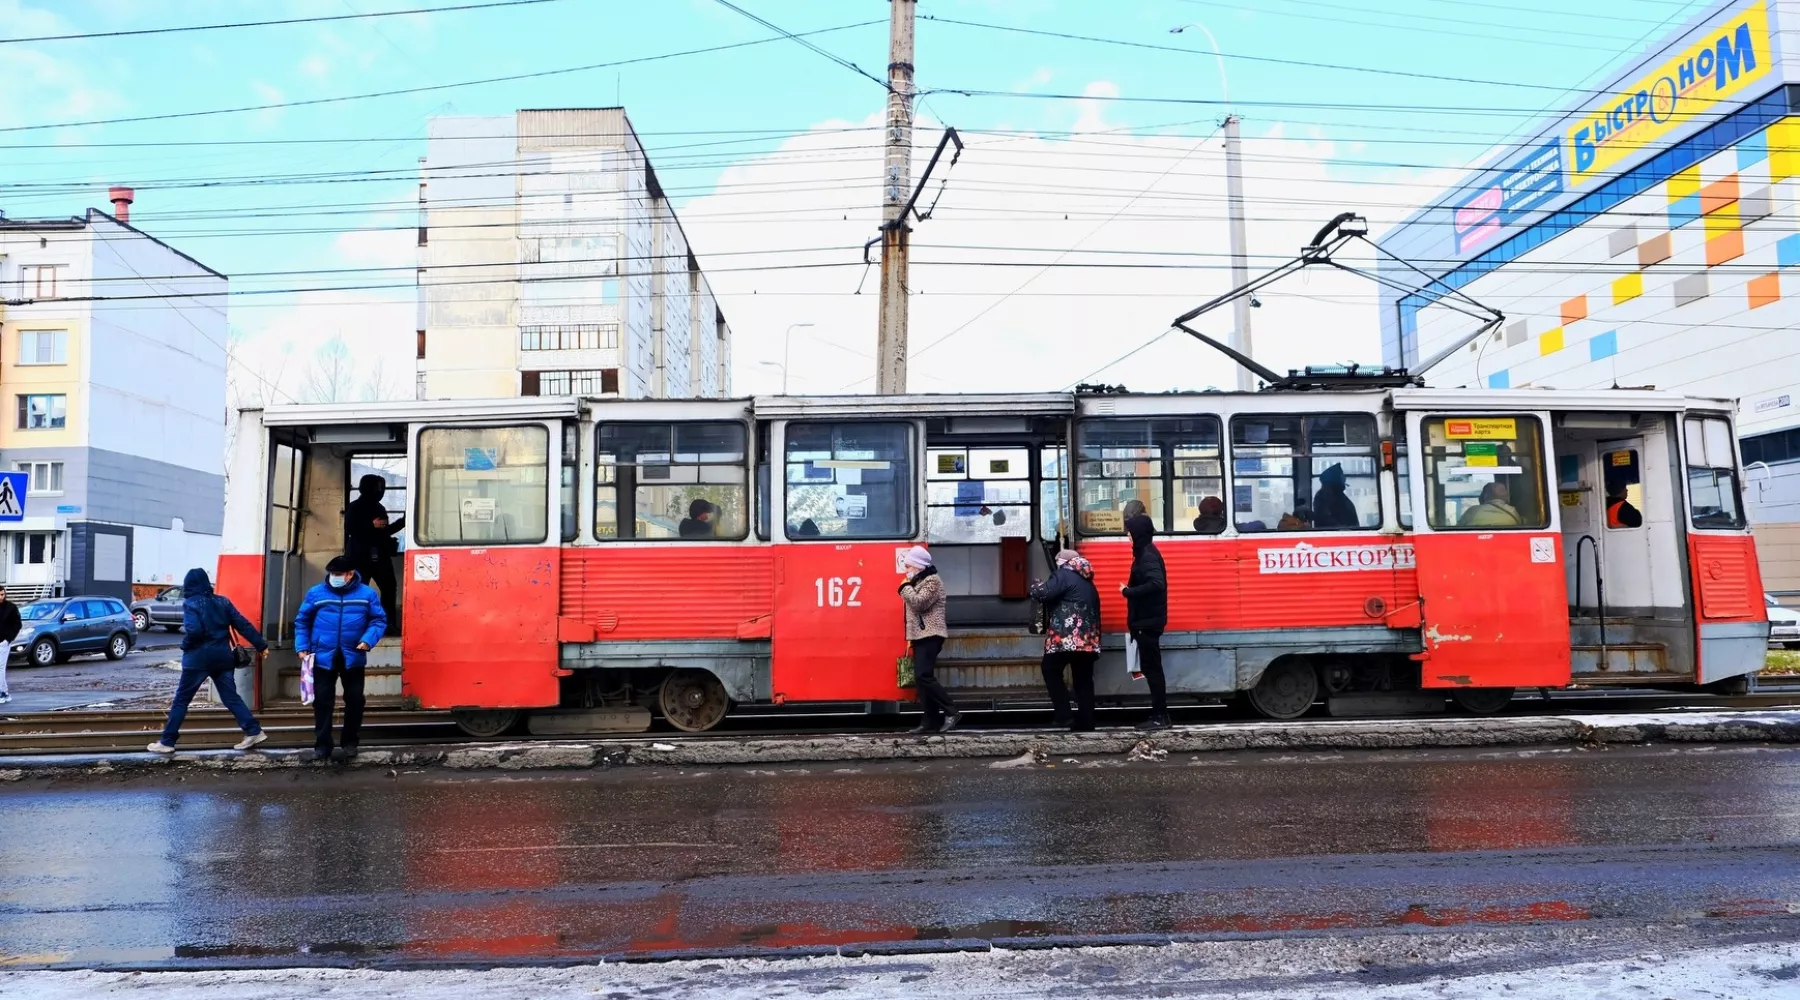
{"points": [[551, 263], [112, 400]]}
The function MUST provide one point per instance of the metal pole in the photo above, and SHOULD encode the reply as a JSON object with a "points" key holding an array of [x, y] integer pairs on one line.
{"points": [[890, 341], [1240, 251]]}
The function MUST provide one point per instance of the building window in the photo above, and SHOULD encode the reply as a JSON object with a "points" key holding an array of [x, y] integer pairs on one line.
{"points": [[421, 351], [34, 549], [46, 477], [43, 347], [43, 412], [569, 337], [593, 382], [39, 281]]}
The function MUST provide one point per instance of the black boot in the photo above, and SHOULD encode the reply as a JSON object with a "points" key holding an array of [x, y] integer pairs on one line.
{"points": [[950, 722], [927, 725], [1157, 720]]}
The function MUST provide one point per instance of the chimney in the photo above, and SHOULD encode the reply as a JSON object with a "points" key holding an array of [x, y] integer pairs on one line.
{"points": [[121, 199]]}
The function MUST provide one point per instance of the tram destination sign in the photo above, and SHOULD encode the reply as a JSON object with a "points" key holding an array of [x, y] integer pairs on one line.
{"points": [[1307, 558]]}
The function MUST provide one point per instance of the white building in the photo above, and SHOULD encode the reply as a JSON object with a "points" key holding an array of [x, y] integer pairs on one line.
{"points": [[1644, 235], [112, 372], [551, 263]]}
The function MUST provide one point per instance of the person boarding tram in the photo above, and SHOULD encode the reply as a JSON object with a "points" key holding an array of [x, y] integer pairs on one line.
{"points": [[1072, 637], [369, 541], [1147, 615]]}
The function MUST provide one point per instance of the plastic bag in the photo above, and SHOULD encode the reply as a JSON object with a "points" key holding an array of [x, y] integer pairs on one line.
{"points": [[903, 671], [306, 678], [1132, 666]]}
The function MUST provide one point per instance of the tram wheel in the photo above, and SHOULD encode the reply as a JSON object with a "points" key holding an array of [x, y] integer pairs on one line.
{"points": [[693, 700], [1481, 701], [1287, 689], [486, 723]]}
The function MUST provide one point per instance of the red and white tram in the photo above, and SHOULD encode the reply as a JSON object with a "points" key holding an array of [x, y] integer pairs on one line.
{"points": [[547, 572]]}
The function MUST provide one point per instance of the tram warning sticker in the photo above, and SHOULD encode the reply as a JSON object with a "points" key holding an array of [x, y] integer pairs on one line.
{"points": [[1306, 558], [425, 567], [1543, 550]]}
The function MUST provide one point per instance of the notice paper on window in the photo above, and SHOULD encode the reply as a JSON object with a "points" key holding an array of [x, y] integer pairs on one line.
{"points": [[478, 510]]}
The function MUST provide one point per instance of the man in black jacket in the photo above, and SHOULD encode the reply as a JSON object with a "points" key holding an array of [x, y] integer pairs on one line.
{"points": [[9, 630], [1147, 615], [369, 542]]}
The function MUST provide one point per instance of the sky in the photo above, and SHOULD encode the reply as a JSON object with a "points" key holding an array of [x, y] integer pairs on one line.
{"points": [[1086, 211]]}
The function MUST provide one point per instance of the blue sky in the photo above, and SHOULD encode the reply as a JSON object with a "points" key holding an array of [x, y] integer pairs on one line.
{"points": [[1370, 126]]}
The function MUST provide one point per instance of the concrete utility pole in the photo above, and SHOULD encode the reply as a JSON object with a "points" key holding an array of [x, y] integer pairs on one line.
{"points": [[890, 341], [1240, 250]]}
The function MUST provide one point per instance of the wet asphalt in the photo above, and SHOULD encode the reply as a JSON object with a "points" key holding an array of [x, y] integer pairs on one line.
{"points": [[340, 866]]}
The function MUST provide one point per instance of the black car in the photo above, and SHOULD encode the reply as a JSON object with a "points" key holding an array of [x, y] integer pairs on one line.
{"points": [[62, 627]]}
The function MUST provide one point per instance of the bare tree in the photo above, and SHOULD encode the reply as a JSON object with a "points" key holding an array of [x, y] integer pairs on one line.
{"points": [[330, 378]]}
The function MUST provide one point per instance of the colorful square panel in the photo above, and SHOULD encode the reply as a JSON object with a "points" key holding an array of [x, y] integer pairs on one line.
{"points": [[1603, 345], [1574, 309], [1718, 194], [1764, 290], [1724, 247], [1752, 149], [1551, 342], [1684, 210], [1627, 288], [1787, 251], [1500, 380]]}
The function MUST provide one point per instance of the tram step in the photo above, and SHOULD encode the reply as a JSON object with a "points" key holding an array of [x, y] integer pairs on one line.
{"points": [[1372, 703], [577, 722], [1633, 660]]}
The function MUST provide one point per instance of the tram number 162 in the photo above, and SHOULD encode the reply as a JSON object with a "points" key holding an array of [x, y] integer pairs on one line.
{"points": [[839, 592]]}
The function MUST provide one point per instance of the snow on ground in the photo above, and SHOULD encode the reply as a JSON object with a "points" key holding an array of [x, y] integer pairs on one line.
{"points": [[1391, 968]]}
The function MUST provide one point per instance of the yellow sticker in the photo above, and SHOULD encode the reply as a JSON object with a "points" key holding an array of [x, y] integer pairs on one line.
{"points": [[1491, 461], [950, 464], [1571, 498], [1482, 429], [1621, 458]]}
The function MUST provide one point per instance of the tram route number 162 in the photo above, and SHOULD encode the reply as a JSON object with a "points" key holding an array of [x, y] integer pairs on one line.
{"points": [[839, 592]]}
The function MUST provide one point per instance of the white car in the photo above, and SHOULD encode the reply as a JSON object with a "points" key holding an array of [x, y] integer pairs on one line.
{"points": [[1784, 624]]}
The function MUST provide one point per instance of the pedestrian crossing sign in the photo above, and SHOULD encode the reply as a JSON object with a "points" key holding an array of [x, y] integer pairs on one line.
{"points": [[12, 496]]}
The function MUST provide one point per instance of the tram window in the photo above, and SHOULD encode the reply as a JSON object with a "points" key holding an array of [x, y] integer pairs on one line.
{"points": [[567, 497], [1712, 473], [763, 502], [849, 480], [1053, 494], [977, 496], [484, 485], [1623, 482], [1172, 465], [1312, 473], [661, 481], [1484, 473], [1403, 482]]}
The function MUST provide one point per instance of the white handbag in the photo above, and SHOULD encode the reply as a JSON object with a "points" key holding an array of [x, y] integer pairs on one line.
{"points": [[1131, 660]]}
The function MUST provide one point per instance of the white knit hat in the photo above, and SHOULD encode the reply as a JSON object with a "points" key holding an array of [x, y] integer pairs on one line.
{"points": [[918, 557]]}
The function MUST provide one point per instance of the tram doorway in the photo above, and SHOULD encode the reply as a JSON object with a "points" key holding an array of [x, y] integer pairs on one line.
{"points": [[996, 501], [1630, 614]]}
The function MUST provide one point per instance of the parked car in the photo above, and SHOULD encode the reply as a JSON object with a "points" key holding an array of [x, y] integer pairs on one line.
{"points": [[62, 627], [164, 609], [1784, 624]]}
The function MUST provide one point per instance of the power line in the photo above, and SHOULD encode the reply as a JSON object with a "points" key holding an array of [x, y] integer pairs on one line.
{"points": [[128, 33], [799, 39], [540, 74]]}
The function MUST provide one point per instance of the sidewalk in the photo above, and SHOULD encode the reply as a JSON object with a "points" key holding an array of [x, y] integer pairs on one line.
{"points": [[1012, 747]]}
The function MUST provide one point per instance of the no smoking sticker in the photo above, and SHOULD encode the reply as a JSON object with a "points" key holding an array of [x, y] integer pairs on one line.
{"points": [[1543, 550]]}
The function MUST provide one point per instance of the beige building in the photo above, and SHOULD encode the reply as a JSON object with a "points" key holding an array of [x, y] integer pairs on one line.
{"points": [[551, 263]]}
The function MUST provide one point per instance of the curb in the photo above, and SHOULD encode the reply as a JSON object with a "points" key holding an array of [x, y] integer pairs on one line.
{"points": [[1025, 748]]}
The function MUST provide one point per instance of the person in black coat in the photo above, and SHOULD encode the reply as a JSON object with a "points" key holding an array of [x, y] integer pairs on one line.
{"points": [[370, 544], [10, 624], [208, 621], [1147, 615]]}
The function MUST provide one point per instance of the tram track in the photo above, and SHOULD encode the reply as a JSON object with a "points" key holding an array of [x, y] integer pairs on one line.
{"points": [[127, 731]]}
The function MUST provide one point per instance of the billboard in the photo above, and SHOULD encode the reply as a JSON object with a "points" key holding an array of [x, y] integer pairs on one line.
{"points": [[1518, 189], [1697, 80]]}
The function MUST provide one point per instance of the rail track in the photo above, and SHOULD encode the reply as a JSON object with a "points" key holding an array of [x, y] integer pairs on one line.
{"points": [[210, 728]]}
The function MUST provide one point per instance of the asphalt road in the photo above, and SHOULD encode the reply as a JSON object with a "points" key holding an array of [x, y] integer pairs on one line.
{"points": [[417, 869], [137, 681]]}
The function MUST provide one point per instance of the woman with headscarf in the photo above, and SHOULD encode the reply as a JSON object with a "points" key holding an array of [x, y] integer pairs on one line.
{"points": [[1147, 615], [1072, 639], [926, 628]]}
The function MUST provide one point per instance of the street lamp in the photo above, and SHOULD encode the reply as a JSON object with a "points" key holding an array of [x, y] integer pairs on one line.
{"points": [[787, 343], [1234, 202]]}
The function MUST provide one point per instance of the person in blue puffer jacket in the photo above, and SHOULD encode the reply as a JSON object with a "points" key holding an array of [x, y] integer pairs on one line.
{"points": [[339, 621]]}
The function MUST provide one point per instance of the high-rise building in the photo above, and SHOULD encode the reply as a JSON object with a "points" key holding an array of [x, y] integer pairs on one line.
{"points": [[551, 263], [112, 379]]}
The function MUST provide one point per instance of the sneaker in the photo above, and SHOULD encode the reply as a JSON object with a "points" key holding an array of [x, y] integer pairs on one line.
{"points": [[250, 741], [950, 723], [160, 747], [5, 698]]}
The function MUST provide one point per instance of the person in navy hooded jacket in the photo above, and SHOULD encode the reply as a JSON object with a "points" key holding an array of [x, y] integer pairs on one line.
{"points": [[339, 621]]}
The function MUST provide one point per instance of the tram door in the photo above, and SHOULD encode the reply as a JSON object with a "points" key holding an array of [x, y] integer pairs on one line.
{"points": [[1494, 610]]}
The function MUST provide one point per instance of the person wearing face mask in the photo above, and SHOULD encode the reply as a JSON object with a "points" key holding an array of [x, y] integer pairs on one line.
{"points": [[339, 621]]}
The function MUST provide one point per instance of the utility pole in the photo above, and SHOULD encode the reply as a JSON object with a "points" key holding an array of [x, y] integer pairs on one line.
{"points": [[1240, 250], [890, 341]]}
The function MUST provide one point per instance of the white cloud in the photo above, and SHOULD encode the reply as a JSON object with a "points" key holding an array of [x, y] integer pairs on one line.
{"points": [[996, 304], [1093, 113], [316, 66], [276, 339]]}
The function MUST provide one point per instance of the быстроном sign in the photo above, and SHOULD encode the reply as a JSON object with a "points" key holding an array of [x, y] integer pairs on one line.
{"points": [[1719, 63]]}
